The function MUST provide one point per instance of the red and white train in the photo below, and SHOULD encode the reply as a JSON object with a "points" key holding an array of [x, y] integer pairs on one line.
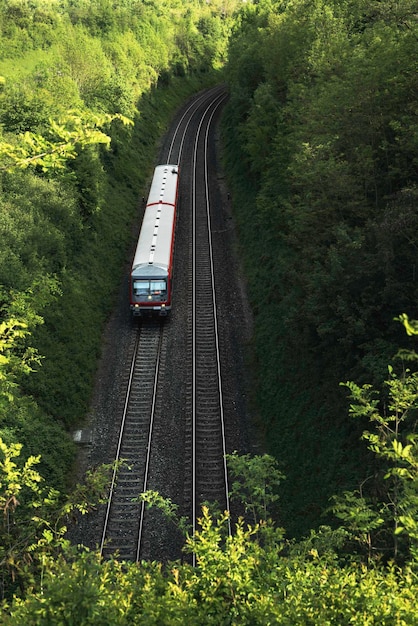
{"points": [[152, 268]]}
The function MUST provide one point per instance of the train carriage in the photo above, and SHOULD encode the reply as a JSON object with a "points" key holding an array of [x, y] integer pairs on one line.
{"points": [[151, 274]]}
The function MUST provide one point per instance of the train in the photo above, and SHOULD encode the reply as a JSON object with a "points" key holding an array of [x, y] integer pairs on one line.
{"points": [[151, 275]]}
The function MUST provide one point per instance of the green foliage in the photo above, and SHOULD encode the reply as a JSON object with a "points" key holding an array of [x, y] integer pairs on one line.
{"points": [[167, 507], [17, 531], [250, 576], [34, 517], [67, 136], [237, 581], [11, 365], [20, 317], [27, 25], [20, 417], [320, 124], [391, 505], [360, 518], [255, 483], [411, 326], [23, 108], [39, 226]]}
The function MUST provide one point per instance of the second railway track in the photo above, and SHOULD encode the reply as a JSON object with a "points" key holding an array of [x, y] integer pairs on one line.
{"points": [[205, 415]]}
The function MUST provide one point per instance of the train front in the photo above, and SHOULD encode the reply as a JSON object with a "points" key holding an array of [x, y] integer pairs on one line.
{"points": [[150, 291]]}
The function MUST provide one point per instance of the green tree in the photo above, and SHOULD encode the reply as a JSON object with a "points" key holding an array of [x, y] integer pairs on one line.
{"points": [[320, 151], [60, 143], [255, 483], [34, 517], [393, 440]]}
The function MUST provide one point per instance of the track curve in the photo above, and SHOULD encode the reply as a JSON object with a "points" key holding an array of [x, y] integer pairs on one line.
{"points": [[174, 438]]}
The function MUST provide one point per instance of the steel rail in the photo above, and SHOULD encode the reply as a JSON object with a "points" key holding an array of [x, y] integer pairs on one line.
{"points": [[120, 439], [215, 314], [139, 418], [148, 456], [207, 96], [215, 104]]}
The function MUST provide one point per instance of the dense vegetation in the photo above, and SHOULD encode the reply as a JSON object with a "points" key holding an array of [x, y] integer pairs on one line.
{"points": [[320, 144], [322, 141]]}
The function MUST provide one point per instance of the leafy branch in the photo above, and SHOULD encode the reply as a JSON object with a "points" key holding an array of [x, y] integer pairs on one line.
{"points": [[60, 143], [396, 447]]}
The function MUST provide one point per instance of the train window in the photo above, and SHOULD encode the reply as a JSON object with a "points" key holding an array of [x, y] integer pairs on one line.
{"points": [[141, 287], [157, 287], [149, 288]]}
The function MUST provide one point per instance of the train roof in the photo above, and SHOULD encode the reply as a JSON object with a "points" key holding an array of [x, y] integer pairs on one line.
{"points": [[164, 185], [153, 252]]}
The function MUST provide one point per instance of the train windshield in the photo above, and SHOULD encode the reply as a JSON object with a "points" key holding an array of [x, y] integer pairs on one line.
{"points": [[150, 289]]}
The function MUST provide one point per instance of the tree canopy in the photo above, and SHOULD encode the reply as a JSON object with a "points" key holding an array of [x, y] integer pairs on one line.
{"points": [[321, 151]]}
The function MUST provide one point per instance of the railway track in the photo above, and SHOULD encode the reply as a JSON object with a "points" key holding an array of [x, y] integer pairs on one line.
{"points": [[205, 415], [203, 450], [122, 530]]}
